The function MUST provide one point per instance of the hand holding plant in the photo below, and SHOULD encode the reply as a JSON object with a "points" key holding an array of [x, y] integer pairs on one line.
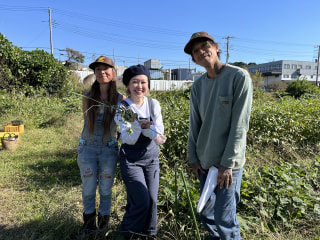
{"points": [[145, 124]]}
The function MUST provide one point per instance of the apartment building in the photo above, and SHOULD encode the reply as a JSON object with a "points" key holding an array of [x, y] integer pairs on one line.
{"points": [[286, 71]]}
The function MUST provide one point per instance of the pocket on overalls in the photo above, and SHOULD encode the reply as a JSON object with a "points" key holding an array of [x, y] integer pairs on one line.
{"points": [[81, 145], [80, 148]]}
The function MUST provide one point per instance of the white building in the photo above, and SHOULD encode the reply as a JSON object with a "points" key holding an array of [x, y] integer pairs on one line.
{"points": [[286, 71]]}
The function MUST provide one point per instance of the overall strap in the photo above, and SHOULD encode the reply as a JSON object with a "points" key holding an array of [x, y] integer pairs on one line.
{"points": [[124, 102], [150, 103], [119, 98]]}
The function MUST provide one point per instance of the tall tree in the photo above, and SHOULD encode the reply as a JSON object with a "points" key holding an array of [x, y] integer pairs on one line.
{"points": [[73, 58]]}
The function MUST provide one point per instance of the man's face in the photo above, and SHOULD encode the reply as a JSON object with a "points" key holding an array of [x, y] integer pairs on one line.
{"points": [[205, 53]]}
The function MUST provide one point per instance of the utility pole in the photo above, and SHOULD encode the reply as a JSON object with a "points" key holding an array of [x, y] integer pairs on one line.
{"points": [[50, 25], [228, 37], [318, 66], [114, 61]]}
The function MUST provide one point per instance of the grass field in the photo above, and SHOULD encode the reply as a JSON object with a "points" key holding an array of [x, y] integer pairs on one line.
{"points": [[40, 185]]}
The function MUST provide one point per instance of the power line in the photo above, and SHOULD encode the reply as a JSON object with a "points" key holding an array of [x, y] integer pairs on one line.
{"points": [[238, 45]]}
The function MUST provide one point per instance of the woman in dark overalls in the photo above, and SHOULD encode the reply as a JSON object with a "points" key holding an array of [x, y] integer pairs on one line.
{"points": [[98, 145], [139, 154]]}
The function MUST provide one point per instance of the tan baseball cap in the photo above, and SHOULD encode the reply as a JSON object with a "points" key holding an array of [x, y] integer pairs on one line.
{"points": [[102, 59]]}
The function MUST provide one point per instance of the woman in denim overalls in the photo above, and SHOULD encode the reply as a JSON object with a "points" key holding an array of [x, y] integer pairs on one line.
{"points": [[139, 154], [98, 147]]}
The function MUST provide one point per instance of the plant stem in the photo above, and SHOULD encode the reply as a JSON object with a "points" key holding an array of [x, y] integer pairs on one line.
{"points": [[191, 208], [105, 105]]}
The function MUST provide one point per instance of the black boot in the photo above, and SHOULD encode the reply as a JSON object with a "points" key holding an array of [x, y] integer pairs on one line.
{"points": [[103, 221], [89, 223]]}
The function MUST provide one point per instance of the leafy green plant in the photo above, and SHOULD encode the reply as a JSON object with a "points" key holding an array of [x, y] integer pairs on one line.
{"points": [[300, 87], [29, 70], [281, 193], [175, 112], [285, 121]]}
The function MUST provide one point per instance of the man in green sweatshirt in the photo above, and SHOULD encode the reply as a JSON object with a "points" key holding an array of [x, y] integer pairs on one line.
{"points": [[220, 108]]}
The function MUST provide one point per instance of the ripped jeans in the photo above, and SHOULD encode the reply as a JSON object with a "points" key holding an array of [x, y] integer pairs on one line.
{"points": [[97, 164]]}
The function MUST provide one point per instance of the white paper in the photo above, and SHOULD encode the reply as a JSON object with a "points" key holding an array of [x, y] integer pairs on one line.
{"points": [[209, 186]]}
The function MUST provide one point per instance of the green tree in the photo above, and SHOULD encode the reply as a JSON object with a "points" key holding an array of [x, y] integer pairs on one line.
{"points": [[240, 64], [74, 58], [29, 70]]}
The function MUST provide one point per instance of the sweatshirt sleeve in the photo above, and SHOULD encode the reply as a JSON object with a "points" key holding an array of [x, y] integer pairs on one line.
{"points": [[194, 127], [241, 111]]}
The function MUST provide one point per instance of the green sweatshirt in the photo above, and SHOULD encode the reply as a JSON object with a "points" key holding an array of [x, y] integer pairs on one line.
{"points": [[220, 111]]}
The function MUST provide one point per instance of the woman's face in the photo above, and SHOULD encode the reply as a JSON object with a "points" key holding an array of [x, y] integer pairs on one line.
{"points": [[103, 73], [138, 86]]}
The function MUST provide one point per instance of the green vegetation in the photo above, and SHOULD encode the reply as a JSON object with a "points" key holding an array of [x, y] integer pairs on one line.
{"points": [[40, 183], [29, 71], [302, 87], [73, 59]]}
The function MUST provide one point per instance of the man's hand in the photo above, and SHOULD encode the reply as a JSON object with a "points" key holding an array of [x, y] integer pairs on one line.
{"points": [[224, 177], [196, 167]]}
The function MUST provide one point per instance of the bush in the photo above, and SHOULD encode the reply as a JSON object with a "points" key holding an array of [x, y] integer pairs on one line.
{"points": [[175, 113], [277, 86], [300, 87], [285, 121], [29, 70]]}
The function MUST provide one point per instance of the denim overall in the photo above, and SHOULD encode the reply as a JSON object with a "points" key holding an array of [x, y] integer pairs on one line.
{"points": [[139, 165], [97, 161]]}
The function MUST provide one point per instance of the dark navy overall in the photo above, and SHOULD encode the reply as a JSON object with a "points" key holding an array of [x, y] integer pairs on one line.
{"points": [[139, 165]]}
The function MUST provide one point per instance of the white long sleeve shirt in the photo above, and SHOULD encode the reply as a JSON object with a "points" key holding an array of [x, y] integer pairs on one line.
{"points": [[131, 137]]}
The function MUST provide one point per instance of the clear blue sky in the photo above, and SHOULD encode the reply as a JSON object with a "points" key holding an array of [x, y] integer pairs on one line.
{"points": [[135, 31]]}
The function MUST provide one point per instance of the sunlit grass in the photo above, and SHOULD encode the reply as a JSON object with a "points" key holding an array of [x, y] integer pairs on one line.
{"points": [[40, 185]]}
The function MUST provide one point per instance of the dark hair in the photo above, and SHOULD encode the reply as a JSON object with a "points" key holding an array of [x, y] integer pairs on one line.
{"points": [[208, 41], [135, 70], [112, 96]]}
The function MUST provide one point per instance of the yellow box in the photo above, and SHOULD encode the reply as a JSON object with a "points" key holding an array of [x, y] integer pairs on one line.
{"points": [[7, 135], [11, 128]]}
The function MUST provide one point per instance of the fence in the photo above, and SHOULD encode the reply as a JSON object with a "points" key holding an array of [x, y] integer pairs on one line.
{"points": [[169, 85], [155, 85]]}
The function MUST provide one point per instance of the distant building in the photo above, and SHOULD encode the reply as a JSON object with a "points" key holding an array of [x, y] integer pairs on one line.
{"points": [[181, 74], [154, 67], [286, 71], [152, 64], [120, 70], [184, 74]]}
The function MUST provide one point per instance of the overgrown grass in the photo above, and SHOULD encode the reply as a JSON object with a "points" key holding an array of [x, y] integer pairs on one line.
{"points": [[40, 186]]}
